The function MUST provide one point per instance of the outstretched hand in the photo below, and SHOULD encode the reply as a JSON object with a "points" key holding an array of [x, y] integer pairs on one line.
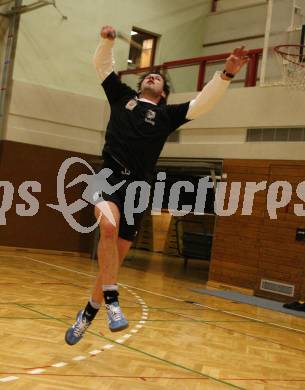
{"points": [[236, 60], [108, 32]]}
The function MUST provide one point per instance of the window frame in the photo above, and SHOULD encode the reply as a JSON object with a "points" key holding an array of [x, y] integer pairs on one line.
{"points": [[147, 35]]}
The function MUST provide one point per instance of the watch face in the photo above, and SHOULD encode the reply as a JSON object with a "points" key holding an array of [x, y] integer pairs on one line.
{"points": [[230, 75]]}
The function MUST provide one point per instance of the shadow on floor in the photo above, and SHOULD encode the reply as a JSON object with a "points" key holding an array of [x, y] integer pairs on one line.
{"points": [[171, 266]]}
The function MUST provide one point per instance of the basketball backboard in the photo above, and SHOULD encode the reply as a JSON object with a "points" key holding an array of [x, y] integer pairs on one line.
{"points": [[285, 25]]}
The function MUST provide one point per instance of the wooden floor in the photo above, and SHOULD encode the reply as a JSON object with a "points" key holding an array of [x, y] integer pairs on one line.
{"points": [[170, 344]]}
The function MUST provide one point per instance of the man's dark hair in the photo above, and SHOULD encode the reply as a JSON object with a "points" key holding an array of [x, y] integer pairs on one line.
{"points": [[166, 87]]}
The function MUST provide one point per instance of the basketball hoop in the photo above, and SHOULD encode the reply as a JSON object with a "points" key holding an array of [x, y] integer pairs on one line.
{"points": [[292, 59]]}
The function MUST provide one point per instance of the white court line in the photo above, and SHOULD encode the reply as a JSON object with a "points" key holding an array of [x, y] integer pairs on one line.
{"points": [[95, 352], [221, 310], [126, 336], [172, 298], [60, 364], [57, 266], [154, 293], [108, 346], [36, 371], [9, 379], [78, 358]]}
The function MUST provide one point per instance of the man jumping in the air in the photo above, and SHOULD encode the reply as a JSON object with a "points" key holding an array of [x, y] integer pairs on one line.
{"points": [[139, 125]]}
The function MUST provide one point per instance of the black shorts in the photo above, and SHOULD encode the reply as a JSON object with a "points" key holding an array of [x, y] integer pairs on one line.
{"points": [[126, 231]]}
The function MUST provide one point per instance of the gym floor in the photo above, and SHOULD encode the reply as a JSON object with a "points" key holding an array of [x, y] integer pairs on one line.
{"points": [[171, 343]]}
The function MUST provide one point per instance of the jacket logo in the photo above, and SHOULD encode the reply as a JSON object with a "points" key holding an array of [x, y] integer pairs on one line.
{"points": [[150, 116], [131, 104]]}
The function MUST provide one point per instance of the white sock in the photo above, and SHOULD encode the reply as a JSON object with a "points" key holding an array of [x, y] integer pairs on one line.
{"points": [[110, 287], [95, 305]]}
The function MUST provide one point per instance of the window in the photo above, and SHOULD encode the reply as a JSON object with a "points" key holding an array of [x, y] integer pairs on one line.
{"points": [[142, 49]]}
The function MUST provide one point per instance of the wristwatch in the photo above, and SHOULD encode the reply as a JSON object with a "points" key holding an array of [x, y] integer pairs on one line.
{"points": [[227, 74]]}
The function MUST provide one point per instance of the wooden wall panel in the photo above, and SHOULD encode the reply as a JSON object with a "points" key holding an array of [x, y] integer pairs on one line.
{"points": [[235, 253], [249, 248], [239, 275], [48, 229]]}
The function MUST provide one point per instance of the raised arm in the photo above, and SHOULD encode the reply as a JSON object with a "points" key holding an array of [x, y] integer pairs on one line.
{"points": [[215, 89], [103, 57]]}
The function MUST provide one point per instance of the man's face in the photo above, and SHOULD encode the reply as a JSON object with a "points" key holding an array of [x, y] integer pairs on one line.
{"points": [[153, 84]]}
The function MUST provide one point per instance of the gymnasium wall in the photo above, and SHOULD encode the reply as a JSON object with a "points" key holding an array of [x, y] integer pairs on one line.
{"points": [[222, 132], [57, 99], [60, 119], [234, 20], [247, 249], [57, 119], [58, 54], [227, 5], [46, 229], [58, 103]]}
